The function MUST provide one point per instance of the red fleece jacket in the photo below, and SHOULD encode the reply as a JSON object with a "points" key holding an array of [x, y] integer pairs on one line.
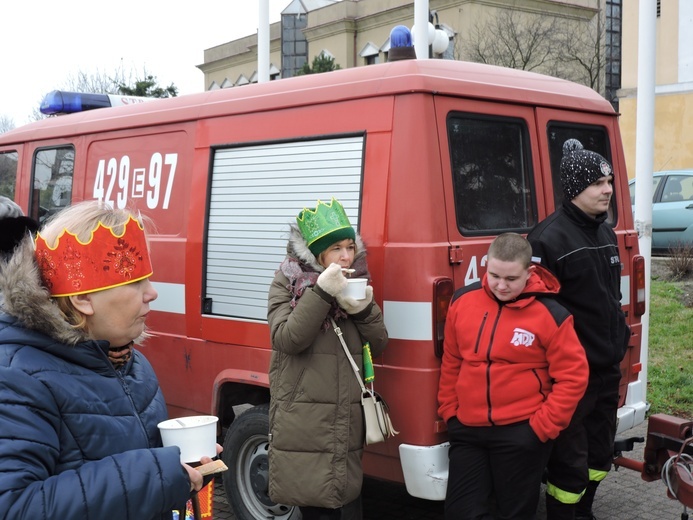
{"points": [[506, 362]]}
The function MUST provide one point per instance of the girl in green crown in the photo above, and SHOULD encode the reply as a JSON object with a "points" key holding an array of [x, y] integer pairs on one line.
{"points": [[316, 423]]}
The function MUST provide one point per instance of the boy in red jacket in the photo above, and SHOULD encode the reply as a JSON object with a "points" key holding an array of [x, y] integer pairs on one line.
{"points": [[513, 371]]}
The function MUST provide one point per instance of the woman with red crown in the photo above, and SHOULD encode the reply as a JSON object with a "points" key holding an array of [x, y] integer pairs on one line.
{"points": [[79, 404]]}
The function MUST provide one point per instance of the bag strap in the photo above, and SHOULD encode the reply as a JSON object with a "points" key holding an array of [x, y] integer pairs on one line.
{"points": [[338, 331]]}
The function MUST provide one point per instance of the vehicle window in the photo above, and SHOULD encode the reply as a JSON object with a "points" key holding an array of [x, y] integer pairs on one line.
{"points": [[631, 188], [592, 138], [677, 188], [8, 173], [491, 174], [687, 187], [53, 172]]}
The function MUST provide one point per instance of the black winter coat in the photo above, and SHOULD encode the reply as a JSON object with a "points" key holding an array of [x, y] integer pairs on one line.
{"points": [[583, 254]]}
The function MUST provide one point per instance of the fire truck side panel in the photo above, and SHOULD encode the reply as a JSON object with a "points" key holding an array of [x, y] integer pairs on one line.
{"points": [[415, 254], [431, 159]]}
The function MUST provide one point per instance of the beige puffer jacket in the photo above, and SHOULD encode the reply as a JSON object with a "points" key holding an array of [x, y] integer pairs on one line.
{"points": [[316, 424]]}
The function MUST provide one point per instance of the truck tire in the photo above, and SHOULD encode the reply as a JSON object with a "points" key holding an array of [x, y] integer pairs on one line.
{"points": [[246, 481]]}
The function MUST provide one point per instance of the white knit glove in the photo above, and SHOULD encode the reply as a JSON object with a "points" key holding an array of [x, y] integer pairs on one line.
{"points": [[354, 306], [331, 280]]}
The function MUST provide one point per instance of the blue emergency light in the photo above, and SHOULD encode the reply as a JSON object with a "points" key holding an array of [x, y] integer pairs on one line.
{"points": [[401, 46], [400, 36], [59, 102]]}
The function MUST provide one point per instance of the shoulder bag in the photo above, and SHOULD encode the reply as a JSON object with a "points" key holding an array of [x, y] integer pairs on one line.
{"points": [[376, 413]]}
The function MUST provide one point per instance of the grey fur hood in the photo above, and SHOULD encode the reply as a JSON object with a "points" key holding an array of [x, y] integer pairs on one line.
{"points": [[23, 296], [298, 248]]}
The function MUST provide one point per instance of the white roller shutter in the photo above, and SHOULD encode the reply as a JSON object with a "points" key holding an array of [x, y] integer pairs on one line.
{"points": [[256, 192]]}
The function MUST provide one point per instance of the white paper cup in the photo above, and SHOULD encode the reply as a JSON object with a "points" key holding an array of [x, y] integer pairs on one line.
{"points": [[196, 436], [356, 288]]}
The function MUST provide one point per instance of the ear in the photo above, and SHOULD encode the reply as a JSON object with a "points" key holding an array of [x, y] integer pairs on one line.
{"points": [[83, 303], [531, 268]]}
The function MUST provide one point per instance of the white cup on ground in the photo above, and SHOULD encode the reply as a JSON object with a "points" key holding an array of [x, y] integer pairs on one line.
{"points": [[196, 436], [356, 288]]}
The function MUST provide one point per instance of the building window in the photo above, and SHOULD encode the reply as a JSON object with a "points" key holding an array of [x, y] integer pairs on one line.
{"points": [[370, 54], [294, 44], [613, 51]]}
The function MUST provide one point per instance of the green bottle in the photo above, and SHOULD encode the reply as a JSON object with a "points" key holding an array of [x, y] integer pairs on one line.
{"points": [[368, 372]]}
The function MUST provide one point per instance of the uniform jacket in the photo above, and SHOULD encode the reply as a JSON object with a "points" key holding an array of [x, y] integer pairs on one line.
{"points": [[316, 424], [78, 439], [583, 254], [507, 362]]}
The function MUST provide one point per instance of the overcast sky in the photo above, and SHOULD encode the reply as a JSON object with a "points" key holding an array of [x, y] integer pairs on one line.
{"points": [[44, 43]]}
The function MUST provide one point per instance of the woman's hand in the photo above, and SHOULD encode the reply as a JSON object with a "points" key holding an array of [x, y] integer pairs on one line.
{"points": [[331, 280], [353, 306], [196, 479]]}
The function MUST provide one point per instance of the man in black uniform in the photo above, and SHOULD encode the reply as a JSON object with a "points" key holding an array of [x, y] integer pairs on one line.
{"points": [[580, 248]]}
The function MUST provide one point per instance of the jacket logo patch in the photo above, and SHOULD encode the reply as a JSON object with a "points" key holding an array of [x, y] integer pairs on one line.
{"points": [[615, 260], [522, 338]]}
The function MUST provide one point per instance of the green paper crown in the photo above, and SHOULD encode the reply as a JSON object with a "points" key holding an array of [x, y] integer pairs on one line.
{"points": [[324, 225]]}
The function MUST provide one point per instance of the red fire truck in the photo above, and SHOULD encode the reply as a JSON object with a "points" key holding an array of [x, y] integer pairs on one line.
{"points": [[430, 158]]}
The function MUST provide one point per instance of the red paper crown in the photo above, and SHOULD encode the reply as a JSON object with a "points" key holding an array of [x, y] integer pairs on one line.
{"points": [[106, 260]]}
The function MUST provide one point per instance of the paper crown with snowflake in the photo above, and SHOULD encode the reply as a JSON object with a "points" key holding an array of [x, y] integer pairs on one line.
{"points": [[324, 225], [107, 260]]}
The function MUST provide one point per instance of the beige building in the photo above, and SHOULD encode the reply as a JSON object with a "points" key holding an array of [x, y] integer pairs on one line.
{"points": [[357, 33], [673, 147]]}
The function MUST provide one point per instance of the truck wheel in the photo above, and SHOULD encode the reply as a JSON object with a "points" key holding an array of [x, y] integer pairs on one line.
{"points": [[246, 482]]}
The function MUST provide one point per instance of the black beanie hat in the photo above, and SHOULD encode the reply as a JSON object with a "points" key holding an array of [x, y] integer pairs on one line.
{"points": [[580, 168]]}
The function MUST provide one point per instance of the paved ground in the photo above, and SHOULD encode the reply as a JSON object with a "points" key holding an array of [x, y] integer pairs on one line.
{"points": [[622, 496]]}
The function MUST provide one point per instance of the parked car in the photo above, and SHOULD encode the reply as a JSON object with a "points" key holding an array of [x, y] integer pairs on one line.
{"points": [[672, 209]]}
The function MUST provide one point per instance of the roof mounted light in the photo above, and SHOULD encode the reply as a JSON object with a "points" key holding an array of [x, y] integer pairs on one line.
{"points": [[401, 46], [61, 102]]}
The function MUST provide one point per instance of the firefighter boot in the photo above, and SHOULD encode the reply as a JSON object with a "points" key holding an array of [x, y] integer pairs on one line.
{"points": [[584, 507], [556, 510]]}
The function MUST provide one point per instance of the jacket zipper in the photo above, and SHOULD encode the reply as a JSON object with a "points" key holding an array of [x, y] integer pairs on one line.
{"points": [[488, 366]]}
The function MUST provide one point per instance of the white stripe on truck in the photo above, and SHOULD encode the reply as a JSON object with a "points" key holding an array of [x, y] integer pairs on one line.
{"points": [[408, 320], [171, 298]]}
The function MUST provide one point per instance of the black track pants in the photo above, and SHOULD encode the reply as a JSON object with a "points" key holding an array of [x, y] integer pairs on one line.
{"points": [[495, 472]]}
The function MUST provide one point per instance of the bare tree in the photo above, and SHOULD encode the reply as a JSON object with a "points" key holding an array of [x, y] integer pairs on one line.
{"points": [[563, 48], [515, 40], [582, 53], [96, 82], [6, 124], [36, 114], [119, 82]]}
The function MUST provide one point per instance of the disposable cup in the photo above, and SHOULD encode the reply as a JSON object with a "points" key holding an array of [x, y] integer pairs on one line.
{"points": [[356, 288], [196, 436]]}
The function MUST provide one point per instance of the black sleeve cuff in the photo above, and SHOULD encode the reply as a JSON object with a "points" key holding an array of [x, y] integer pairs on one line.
{"points": [[320, 292]]}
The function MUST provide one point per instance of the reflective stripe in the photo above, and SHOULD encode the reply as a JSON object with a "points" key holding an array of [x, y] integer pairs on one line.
{"points": [[171, 298], [408, 320], [564, 497], [597, 475]]}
